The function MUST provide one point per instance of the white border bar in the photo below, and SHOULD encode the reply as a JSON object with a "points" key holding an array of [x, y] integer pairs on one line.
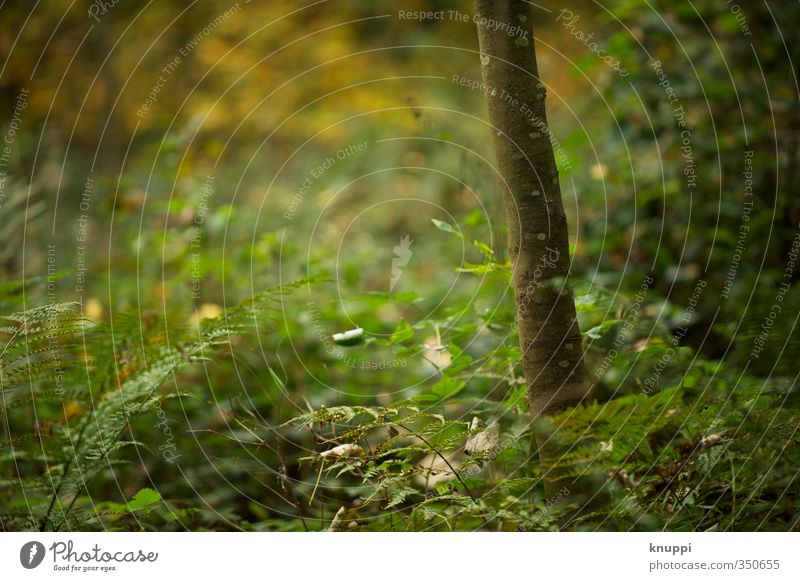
{"points": [[390, 556]]}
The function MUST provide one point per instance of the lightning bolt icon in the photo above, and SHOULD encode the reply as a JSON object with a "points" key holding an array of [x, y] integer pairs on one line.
{"points": [[402, 254]]}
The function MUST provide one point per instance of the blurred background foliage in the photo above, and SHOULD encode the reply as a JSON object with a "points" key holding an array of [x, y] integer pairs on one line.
{"points": [[290, 143]]}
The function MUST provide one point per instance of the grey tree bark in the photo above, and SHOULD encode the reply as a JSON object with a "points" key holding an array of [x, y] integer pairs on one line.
{"points": [[552, 353]]}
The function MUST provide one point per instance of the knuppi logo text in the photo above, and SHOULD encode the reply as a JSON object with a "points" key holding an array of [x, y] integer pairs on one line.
{"points": [[32, 554]]}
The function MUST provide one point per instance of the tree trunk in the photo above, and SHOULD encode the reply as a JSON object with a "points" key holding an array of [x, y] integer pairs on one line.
{"points": [[552, 354]]}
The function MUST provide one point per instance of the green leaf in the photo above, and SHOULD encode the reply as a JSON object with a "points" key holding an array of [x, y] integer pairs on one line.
{"points": [[485, 249], [402, 333], [459, 360], [475, 218], [602, 329], [143, 498], [425, 398], [444, 226], [447, 387], [486, 268]]}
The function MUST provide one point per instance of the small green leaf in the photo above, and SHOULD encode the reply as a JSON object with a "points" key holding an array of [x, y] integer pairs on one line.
{"points": [[143, 498], [402, 333], [475, 218], [485, 249], [425, 398], [444, 226], [602, 329], [447, 387], [459, 360]]}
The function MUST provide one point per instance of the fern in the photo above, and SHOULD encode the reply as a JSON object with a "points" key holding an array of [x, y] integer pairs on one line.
{"points": [[48, 468]]}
